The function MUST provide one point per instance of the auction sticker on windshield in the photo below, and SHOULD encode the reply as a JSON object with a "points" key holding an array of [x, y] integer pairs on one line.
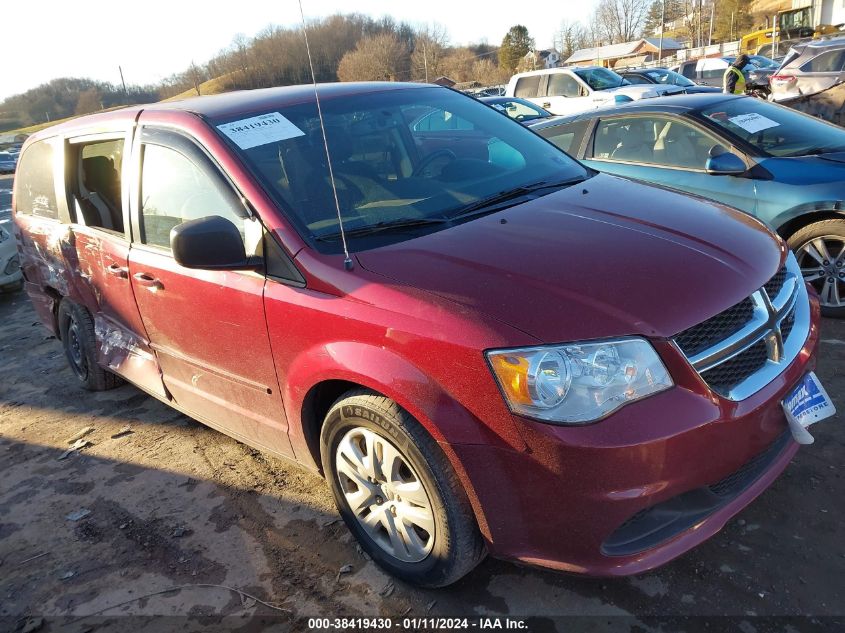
{"points": [[260, 130], [753, 122], [806, 404]]}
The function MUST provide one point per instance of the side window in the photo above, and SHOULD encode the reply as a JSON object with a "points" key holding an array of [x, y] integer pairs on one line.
{"points": [[174, 190], [440, 120], [527, 86], [96, 192], [688, 70], [653, 141], [636, 79], [562, 85], [564, 135], [35, 193], [830, 62]]}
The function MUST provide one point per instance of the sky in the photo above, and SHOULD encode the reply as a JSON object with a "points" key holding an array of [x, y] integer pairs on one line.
{"points": [[152, 39]]}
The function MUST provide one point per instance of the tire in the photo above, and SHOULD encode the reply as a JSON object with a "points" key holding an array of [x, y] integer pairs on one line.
{"points": [[449, 545], [77, 330], [814, 245]]}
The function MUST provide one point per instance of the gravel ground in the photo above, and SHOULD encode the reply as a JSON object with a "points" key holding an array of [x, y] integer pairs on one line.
{"points": [[157, 501]]}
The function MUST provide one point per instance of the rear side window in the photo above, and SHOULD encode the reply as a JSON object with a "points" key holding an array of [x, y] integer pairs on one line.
{"points": [[527, 86], [829, 62], [174, 190], [636, 79], [688, 70], [564, 136], [97, 190], [561, 85], [36, 190]]}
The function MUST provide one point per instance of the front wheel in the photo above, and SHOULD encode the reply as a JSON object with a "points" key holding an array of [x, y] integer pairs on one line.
{"points": [[820, 250], [397, 492]]}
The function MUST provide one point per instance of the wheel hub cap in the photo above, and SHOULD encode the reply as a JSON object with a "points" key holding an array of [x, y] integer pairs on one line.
{"points": [[385, 494], [822, 262]]}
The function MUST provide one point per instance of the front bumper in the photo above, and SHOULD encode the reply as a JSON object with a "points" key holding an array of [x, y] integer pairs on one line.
{"points": [[643, 486]]}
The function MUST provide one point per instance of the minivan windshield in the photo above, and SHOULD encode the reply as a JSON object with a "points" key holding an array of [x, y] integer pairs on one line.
{"points": [[405, 161], [601, 78], [776, 130]]}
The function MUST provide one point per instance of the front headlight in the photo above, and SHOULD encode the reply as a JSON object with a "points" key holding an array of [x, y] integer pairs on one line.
{"points": [[578, 382]]}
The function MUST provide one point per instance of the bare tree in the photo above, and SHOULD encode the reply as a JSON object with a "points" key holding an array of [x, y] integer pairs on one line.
{"points": [[381, 57], [430, 46], [196, 77], [620, 20], [570, 37]]}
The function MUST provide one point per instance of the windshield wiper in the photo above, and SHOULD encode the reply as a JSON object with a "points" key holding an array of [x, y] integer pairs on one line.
{"points": [[381, 227], [495, 202]]}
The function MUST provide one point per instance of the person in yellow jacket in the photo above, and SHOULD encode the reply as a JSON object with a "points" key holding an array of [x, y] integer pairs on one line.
{"points": [[733, 82]]}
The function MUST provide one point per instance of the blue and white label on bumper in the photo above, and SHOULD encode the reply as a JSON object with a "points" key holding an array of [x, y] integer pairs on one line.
{"points": [[806, 404]]}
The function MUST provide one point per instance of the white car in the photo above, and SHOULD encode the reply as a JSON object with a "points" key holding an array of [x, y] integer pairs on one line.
{"points": [[581, 88], [10, 266]]}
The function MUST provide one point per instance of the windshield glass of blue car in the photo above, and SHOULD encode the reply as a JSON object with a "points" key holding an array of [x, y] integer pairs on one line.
{"points": [[776, 130], [662, 76], [405, 162]]}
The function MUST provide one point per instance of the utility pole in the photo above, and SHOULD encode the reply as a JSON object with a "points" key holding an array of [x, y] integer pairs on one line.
{"points": [[662, 28], [712, 12], [425, 60], [125, 93]]}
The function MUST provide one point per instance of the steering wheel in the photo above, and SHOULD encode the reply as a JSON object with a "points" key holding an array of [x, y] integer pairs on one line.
{"points": [[426, 162]]}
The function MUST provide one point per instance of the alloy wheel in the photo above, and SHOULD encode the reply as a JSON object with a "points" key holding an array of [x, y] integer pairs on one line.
{"points": [[385, 494], [822, 262]]}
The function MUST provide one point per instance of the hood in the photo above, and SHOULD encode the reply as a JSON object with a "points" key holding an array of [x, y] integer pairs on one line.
{"points": [[607, 257]]}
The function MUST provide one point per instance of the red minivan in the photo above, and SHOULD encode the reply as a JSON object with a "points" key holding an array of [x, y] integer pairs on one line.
{"points": [[482, 344]]}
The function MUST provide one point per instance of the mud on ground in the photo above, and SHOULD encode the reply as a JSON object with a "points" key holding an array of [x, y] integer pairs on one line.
{"points": [[172, 503]]}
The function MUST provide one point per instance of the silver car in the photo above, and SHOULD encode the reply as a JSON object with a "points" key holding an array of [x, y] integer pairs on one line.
{"points": [[809, 68]]}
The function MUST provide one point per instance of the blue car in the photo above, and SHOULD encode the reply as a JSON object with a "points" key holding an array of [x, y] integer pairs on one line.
{"points": [[779, 165]]}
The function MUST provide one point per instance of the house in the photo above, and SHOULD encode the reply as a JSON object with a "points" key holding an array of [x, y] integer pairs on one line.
{"points": [[625, 54], [548, 58]]}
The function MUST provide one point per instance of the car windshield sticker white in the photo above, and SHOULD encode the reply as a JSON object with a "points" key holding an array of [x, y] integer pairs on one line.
{"points": [[260, 130], [753, 122]]}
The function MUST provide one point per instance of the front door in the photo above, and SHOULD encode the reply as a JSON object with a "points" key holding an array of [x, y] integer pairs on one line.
{"points": [[207, 326]]}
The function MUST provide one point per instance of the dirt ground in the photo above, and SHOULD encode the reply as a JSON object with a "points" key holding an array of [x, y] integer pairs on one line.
{"points": [[107, 530]]}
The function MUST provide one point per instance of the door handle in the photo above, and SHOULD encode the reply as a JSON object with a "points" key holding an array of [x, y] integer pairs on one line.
{"points": [[148, 281], [118, 271]]}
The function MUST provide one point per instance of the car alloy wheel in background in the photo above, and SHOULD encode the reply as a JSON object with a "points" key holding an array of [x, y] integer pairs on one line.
{"points": [[820, 250]]}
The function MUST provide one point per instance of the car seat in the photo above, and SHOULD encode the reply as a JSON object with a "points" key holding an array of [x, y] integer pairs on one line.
{"points": [[636, 144]]}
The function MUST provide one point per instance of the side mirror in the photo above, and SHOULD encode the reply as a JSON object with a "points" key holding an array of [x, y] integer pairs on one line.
{"points": [[211, 243], [725, 164]]}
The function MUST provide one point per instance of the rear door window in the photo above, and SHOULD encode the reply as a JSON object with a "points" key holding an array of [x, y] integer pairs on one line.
{"points": [[35, 193], [565, 136], [829, 62], [96, 188], [527, 86]]}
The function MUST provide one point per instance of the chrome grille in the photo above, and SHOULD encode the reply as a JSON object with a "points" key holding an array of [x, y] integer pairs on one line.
{"points": [[741, 350], [715, 329]]}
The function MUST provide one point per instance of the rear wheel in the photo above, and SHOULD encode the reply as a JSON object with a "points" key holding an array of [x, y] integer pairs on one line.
{"points": [[77, 329], [820, 250], [397, 492]]}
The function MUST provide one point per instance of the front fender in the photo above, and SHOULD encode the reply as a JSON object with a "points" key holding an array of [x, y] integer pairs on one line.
{"points": [[788, 221], [395, 377]]}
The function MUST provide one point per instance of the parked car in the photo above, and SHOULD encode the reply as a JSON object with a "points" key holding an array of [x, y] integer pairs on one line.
{"points": [[10, 268], [664, 76], [779, 165], [471, 361], [710, 71], [778, 53], [519, 109], [8, 162], [578, 89], [809, 68]]}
